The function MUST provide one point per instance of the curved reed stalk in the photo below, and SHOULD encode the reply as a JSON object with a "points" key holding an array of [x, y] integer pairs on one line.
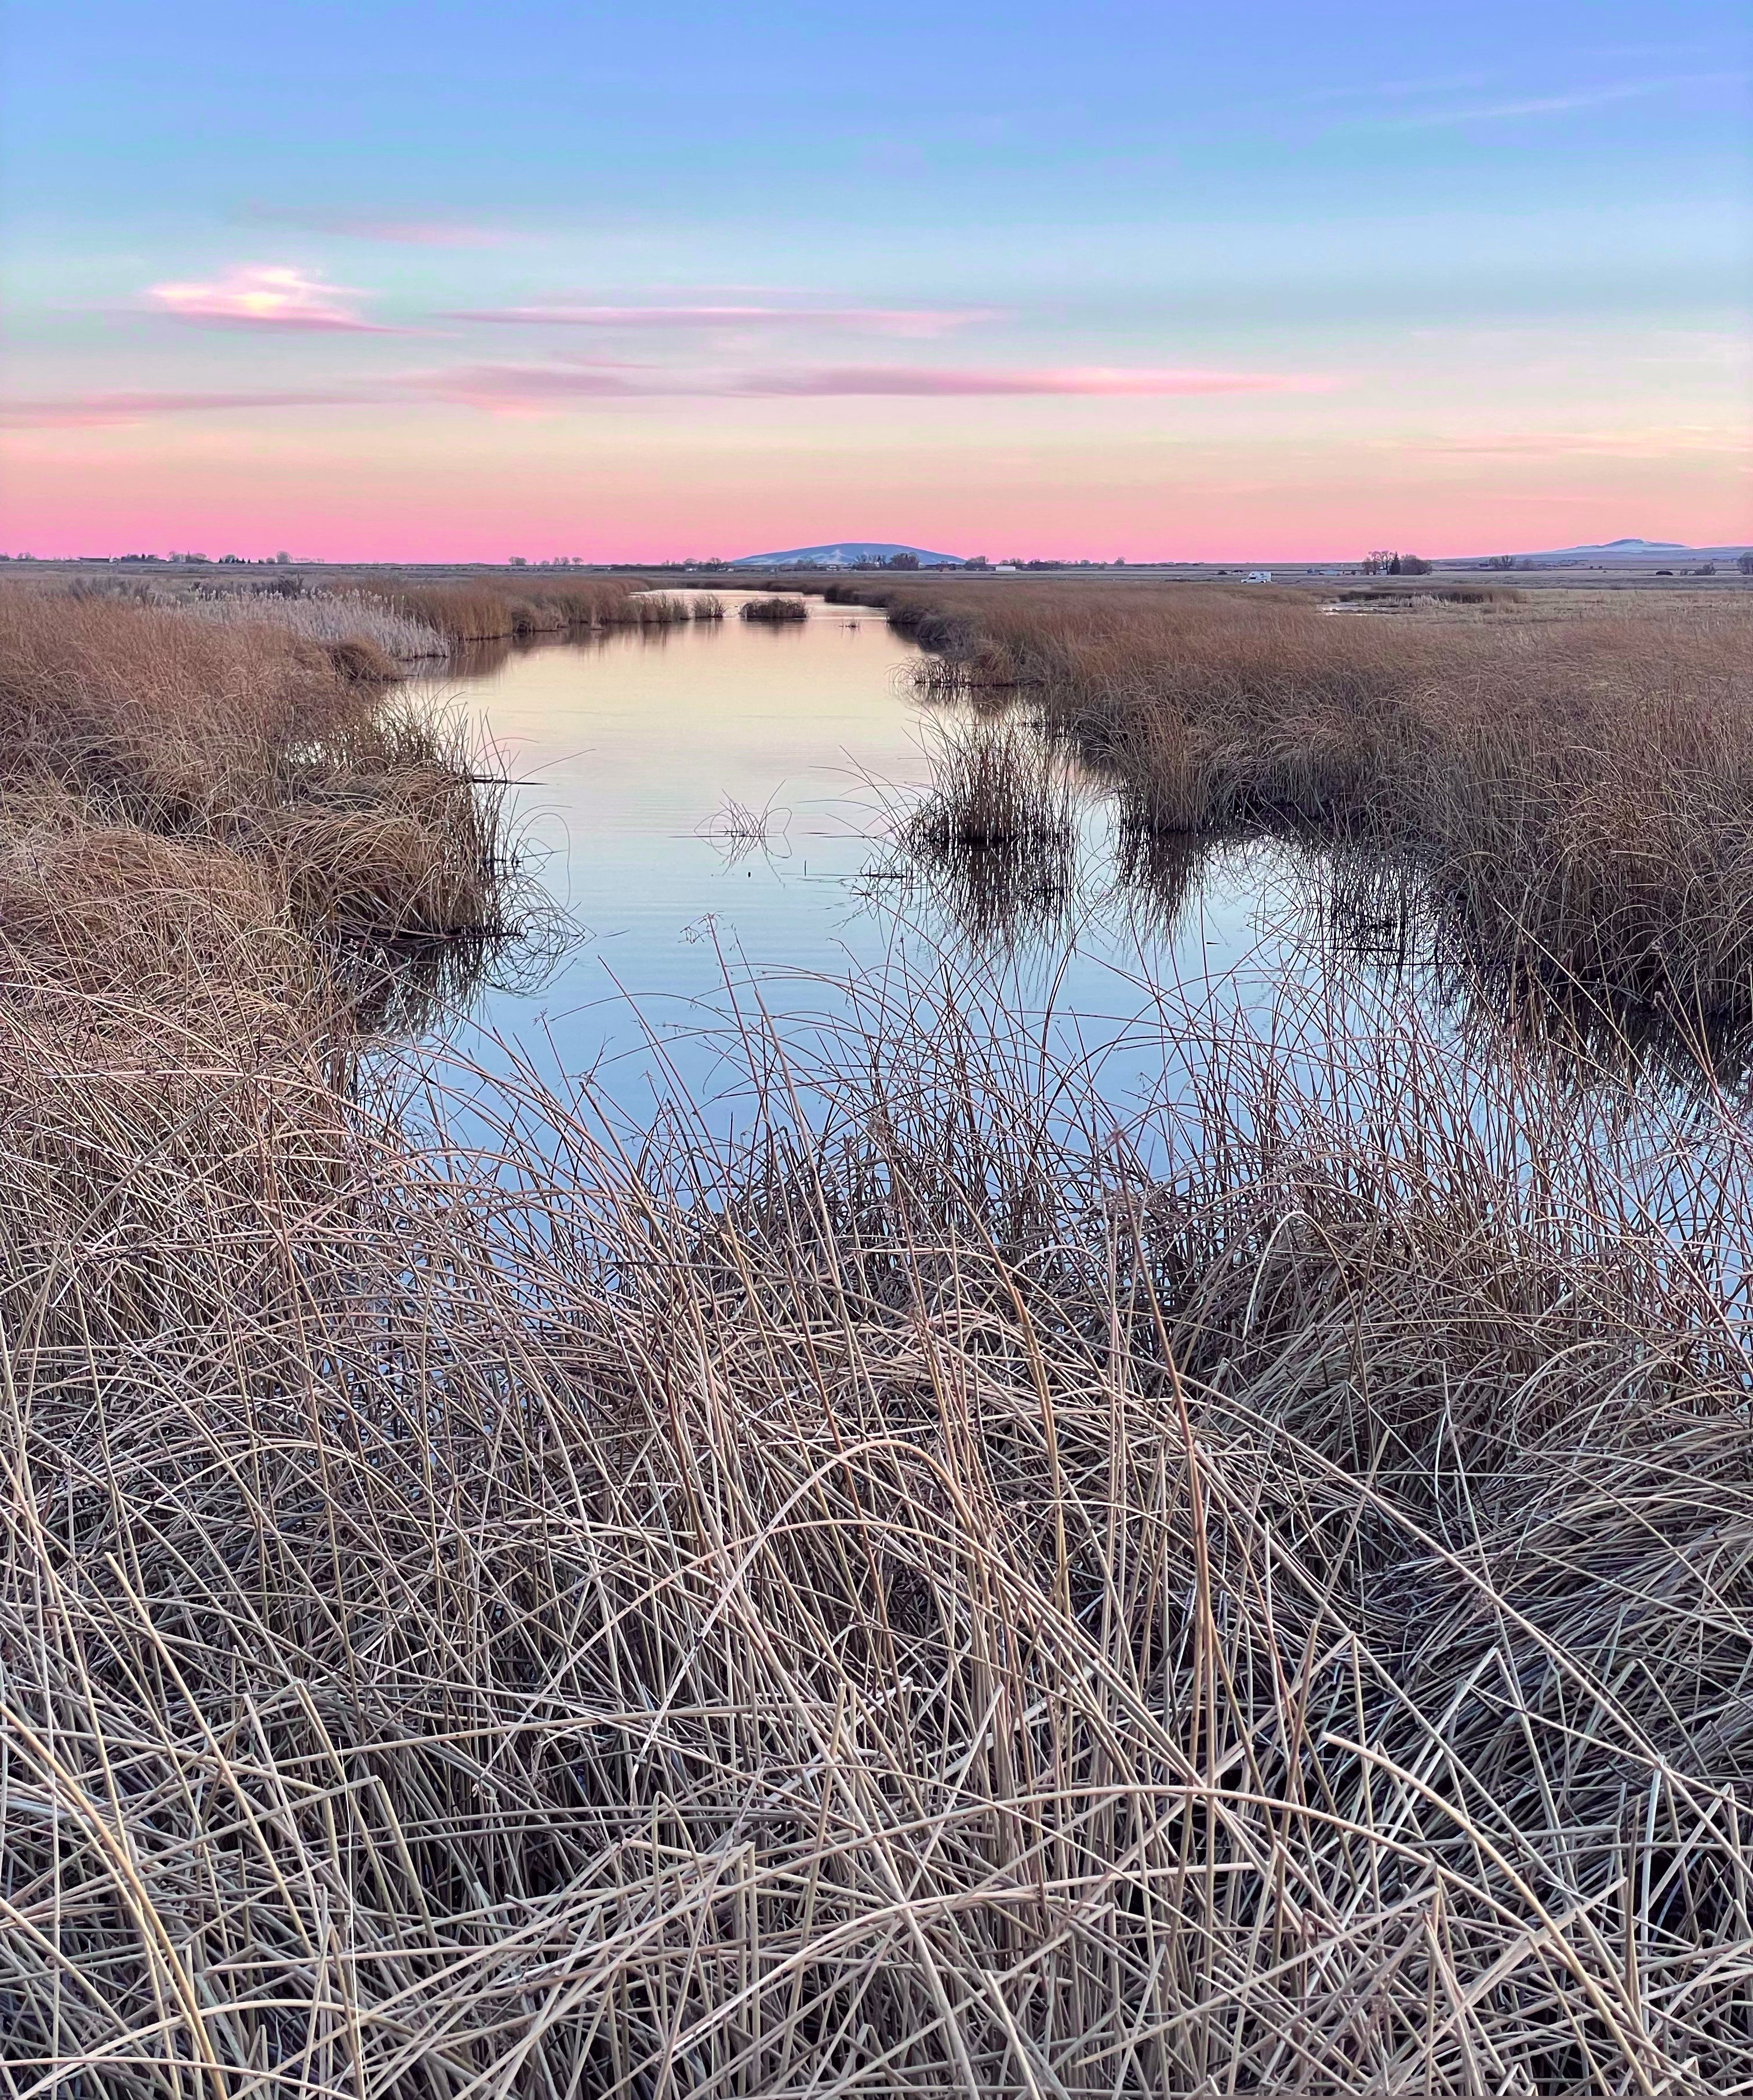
{"points": [[962, 1594]]}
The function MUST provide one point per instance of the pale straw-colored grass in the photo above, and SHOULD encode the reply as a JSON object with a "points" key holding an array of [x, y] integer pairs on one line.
{"points": [[948, 1603], [328, 617]]}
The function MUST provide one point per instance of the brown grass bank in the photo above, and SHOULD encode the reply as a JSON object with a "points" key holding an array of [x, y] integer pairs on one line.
{"points": [[348, 820], [486, 609], [1579, 778]]}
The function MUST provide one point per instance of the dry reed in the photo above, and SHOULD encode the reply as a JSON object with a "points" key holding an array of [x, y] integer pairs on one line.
{"points": [[334, 618], [1578, 786], [941, 1604]]}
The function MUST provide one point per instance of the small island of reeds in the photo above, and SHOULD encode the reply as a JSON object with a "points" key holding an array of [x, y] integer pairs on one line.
{"points": [[774, 611]]}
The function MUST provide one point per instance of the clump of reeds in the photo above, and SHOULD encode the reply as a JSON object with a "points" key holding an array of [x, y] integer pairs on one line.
{"points": [[996, 787], [993, 837], [774, 611], [939, 1593], [339, 619], [649, 608], [370, 822]]}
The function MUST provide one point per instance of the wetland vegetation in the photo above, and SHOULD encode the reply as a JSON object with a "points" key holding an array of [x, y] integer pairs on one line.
{"points": [[963, 1585]]}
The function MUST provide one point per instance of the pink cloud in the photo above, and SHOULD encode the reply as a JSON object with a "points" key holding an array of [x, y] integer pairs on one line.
{"points": [[913, 321], [412, 232], [925, 381], [526, 389], [264, 295], [502, 389], [96, 411], [508, 388]]}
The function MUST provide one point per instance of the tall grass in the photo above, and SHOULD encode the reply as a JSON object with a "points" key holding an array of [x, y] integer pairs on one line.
{"points": [[1578, 786], [939, 1599], [485, 609], [334, 618], [349, 819]]}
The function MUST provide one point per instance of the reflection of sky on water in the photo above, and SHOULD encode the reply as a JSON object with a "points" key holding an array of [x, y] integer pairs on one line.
{"points": [[1245, 972], [636, 745]]}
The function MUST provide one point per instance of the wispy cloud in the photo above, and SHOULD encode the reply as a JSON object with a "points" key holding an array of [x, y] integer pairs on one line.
{"points": [[528, 388], [1602, 97], [365, 226], [925, 381], [95, 411], [911, 321], [265, 295]]}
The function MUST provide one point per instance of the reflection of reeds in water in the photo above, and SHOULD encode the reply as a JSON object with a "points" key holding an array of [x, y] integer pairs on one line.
{"points": [[1383, 910], [411, 987], [993, 838], [1158, 867]]}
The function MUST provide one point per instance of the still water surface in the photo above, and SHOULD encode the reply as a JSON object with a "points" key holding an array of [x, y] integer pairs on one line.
{"points": [[648, 758], [1221, 985]]}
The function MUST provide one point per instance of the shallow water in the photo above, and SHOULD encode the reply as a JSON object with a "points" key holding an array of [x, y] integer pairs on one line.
{"points": [[713, 817], [723, 798]]}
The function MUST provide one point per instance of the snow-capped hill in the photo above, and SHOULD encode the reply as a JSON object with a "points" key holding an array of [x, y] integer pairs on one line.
{"points": [[845, 554]]}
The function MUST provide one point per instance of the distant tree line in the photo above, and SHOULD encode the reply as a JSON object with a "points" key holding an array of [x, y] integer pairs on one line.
{"points": [[1385, 561]]}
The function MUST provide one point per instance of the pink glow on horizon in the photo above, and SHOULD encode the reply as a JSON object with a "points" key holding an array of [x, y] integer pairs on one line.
{"points": [[168, 485], [264, 295]]}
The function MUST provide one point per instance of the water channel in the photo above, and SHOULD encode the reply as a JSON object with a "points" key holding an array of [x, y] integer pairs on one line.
{"points": [[712, 817], [719, 801]]}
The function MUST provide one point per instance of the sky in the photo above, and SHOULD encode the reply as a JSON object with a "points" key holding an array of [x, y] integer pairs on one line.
{"points": [[448, 281]]}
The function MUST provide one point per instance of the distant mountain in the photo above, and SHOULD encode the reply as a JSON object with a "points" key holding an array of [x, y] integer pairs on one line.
{"points": [[1630, 547], [845, 554], [1624, 550]]}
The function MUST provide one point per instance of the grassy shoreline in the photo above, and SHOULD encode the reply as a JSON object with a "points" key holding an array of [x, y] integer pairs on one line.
{"points": [[959, 1592], [1573, 782]]}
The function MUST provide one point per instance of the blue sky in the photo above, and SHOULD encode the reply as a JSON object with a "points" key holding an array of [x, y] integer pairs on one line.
{"points": [[1125, 279]]}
